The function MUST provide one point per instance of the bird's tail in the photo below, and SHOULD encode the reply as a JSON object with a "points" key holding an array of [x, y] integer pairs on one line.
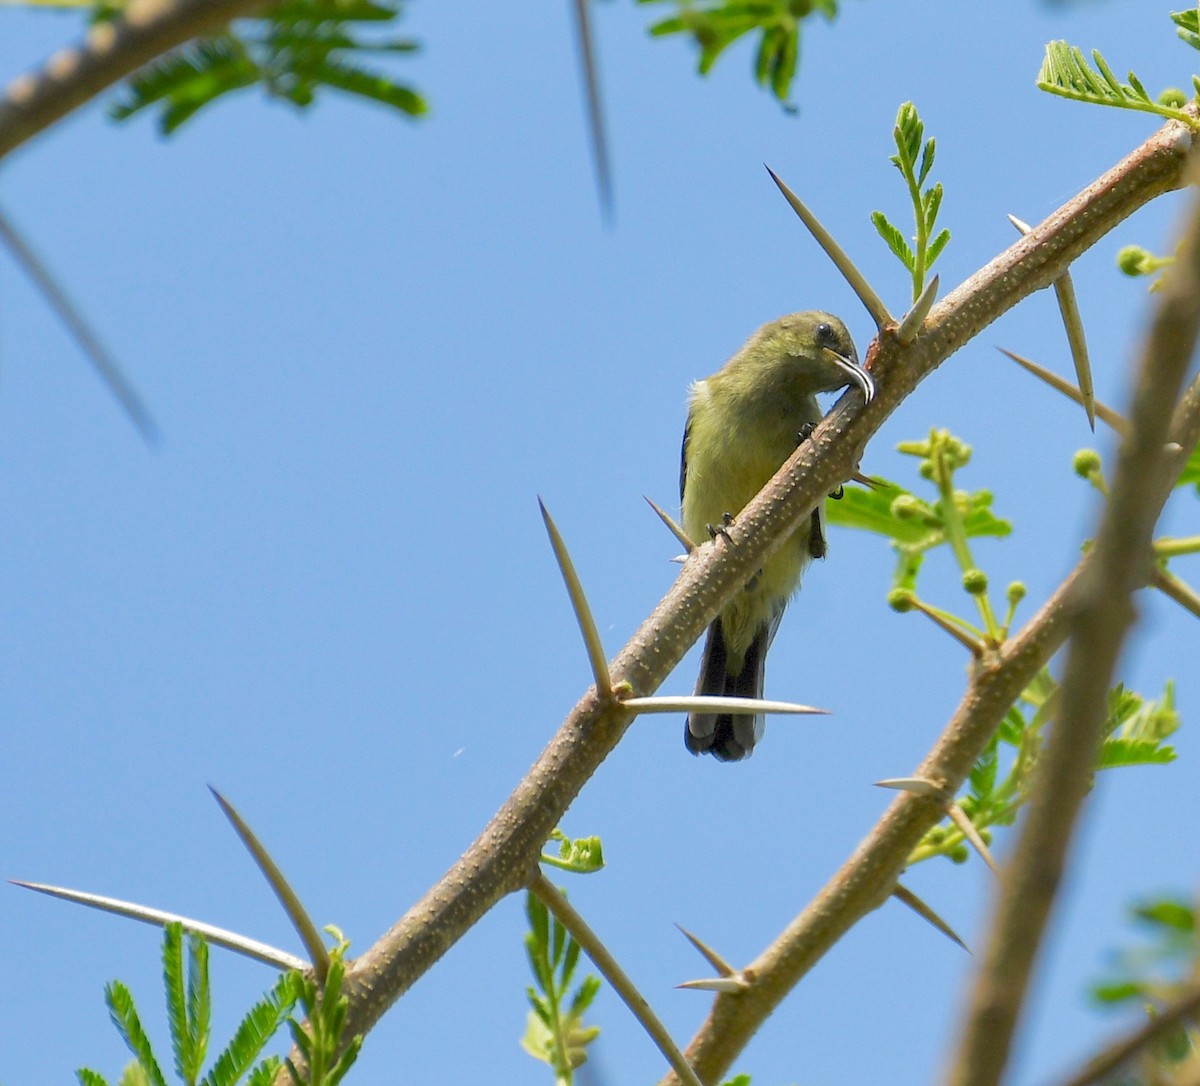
{"points": [[728, 736]]}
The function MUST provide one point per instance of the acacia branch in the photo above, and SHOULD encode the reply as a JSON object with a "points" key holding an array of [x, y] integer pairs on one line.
{"points": [[109, 52], [500, 859], [1102, 616]]}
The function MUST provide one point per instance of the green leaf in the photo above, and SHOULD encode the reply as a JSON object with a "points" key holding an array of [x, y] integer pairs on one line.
{"points": [[983, 774], [172, 956], [255, 1030], [538, 917], [927, 157], [931, 202], [1066, 72], [894, 239], [1188, 28], [1126, 752], [365, 84], [1118, 992], [264, 1073], [872, 511], [1169, 913], [588, 988], [125, 1017], [935, 248], [199, 1005], [90, 1078]]}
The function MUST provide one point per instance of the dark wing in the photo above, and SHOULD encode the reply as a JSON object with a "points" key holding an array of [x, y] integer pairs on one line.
{"points": [[687, 429]]}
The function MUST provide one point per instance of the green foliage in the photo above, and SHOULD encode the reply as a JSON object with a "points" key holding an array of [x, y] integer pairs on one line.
{"points": [[293, 52], [1066, 72], [319, 1037], [1152, 974], [554, 1032], [914, 159], [737, 1080], [915, 526], [1135, 729], [584, 855], [1187, 25], [716, 25], [189, 1014]]}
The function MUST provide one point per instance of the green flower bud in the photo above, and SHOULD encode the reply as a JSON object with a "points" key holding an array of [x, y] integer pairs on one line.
{"points": [[906, 507], [1086, 463], [958, 854], [926, 469], [1133, 260], [1173, 97], [975, 582], [900, 600], [1016, 593]]}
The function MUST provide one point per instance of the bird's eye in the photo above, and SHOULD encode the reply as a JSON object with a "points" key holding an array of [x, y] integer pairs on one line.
{"points": [[825, 332]]}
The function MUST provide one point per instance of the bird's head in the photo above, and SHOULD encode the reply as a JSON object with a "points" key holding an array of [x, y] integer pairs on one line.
{"points": [[818, 350]]}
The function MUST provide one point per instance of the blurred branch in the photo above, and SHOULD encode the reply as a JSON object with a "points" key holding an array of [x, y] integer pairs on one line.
{"points": [[1158, 1026], [1103, 613], [109, 52], [497, 863]]}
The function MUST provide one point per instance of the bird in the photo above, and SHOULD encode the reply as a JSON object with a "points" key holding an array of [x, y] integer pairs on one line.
{"points": [[743, 422]]}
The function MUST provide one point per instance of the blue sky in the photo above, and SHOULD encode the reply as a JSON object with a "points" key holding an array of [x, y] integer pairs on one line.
{"points": [[370, 345]]}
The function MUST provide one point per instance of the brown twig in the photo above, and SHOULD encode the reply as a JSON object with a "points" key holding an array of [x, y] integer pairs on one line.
{"points": [[1102, 616], [1103, 1064]]}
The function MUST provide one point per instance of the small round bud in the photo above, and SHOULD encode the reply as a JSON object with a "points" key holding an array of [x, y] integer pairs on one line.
{"points": [[959, 854], [1173, 97], [1086, 463], [1133, 260], [925, 470], [959, 451], [906, 507], [900, 600], [1016, 593], [975, 581]]}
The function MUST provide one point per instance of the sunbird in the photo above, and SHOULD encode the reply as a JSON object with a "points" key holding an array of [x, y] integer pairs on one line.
{"points": [[743, 422]]}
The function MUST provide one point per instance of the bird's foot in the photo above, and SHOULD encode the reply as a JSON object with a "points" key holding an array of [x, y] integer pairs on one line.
{"points": [[721, 529]]}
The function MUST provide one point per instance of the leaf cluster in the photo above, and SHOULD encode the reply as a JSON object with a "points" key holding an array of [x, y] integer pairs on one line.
{"points": [[319, 1037], [1152, 974], [293, 52], [555, 1033], [716, 26], [189, 1014], [583, 855], [914, 159], [1066, 72]]}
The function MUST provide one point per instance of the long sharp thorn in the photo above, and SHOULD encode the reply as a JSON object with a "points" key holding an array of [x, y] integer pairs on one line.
{"points": [[695, 703], [858, 283], [714, 959], [918, 786], [591, 77], [230, 940], [305, 928], [959, 817], [672, 527], [908, 328], [902, 893], [971, 644], [102, 362], [716, 984], [1180, 591], [579, 604], [1103, 412], [1064, 291]]}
